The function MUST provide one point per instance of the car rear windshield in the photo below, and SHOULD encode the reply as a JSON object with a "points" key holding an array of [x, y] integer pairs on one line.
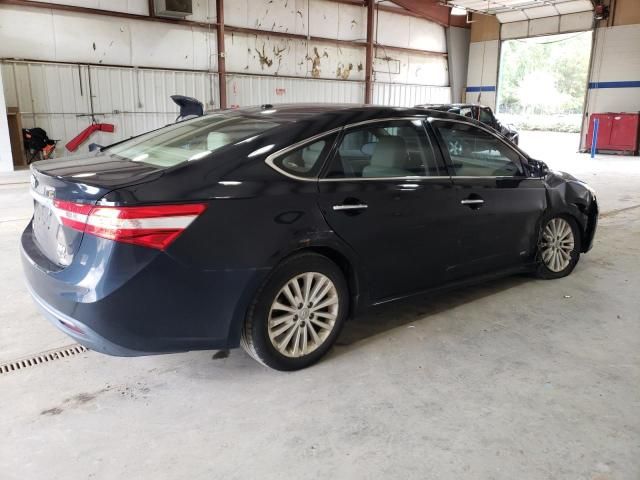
{"points": [[189, 140]]}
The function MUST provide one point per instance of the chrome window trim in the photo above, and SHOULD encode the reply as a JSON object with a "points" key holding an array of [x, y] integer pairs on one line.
{"points": [[364, 179], [386, 119], [425, 118], [270, 159]]}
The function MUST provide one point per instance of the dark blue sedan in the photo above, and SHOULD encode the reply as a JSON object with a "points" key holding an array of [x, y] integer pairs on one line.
{"points": [[268, 227]]}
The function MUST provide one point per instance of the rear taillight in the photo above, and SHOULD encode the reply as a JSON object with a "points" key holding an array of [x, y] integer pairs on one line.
{"points": [[154, 226]]}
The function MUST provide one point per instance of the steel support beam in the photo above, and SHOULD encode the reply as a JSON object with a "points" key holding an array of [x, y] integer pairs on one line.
{"points": [[222, 68], [368, 69]]}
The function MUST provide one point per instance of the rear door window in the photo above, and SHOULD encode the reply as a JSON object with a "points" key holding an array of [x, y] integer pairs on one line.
{"points": [[396, 148]]}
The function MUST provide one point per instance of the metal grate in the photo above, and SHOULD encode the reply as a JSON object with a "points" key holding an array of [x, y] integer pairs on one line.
{"points": [[43, 357]]}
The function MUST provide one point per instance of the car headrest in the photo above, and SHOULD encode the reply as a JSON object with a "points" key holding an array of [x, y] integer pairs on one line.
{"points": [[390, 152]]}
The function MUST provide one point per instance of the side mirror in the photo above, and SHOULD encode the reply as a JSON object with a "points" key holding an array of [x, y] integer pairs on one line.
{"points": [[540, 169], [544, 169]]}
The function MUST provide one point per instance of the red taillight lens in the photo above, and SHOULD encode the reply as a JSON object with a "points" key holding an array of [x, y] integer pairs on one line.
{"points": [[154, 226]]}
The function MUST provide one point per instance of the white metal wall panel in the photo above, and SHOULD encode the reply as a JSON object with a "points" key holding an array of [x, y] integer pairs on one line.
{"points": [[410, 32], [392, 66], [514, 30], [264, 54], [482, 76], [26, 33], [576, 22], [246, 90], [203, 10], [516, 10], [55, 97], [614, 82], [409, 95], [139, 7], [616, 60], [330, 20], [49, 35], [46, 35], [544, 26]]}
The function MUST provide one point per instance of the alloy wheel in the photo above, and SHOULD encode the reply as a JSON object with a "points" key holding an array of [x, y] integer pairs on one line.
{"points": [[303, 314], [557, 244]]}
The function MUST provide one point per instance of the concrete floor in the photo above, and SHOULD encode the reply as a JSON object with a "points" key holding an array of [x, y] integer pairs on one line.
{"points": [[516, 378]]}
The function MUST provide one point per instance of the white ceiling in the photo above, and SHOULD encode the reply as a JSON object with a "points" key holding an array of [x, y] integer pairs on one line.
{"points": [[518, 10]]}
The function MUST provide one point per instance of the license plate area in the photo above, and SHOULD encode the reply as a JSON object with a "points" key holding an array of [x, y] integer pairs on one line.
{"points": [[57, 242]]}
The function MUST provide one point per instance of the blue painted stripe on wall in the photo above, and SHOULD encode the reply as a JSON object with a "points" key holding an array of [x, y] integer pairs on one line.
{"points": [[484, 88], [627, 84]]}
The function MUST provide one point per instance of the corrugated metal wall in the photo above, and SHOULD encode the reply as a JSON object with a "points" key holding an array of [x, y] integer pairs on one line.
{"points": [[409, 95], [55, 97], [244, 90]]}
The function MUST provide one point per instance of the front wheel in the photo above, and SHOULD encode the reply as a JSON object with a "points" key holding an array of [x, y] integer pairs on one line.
{"points": [[558, 247], [297, 315]]}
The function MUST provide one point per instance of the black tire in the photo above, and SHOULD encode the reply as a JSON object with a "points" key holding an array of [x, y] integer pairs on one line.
{"points": [[255, 337], [542, 269]]}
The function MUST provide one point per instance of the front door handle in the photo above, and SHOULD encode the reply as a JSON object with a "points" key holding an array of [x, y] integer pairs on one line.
{"points": [[473, 201], [357, 206]]}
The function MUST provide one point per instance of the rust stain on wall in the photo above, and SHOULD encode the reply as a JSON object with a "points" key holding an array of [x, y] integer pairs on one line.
{"points": [[277, 53], [264, 60], [343, 72], [315, 62]]}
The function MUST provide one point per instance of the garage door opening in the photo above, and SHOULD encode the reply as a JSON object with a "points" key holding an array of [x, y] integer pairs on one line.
{"points": [[542, 87]]}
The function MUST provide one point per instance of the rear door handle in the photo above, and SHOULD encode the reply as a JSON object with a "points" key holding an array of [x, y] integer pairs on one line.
{"points": [[472, 201], [357, 206]]}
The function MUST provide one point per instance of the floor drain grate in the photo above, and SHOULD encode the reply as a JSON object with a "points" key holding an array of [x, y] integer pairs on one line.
{"points": [[40, 358]]}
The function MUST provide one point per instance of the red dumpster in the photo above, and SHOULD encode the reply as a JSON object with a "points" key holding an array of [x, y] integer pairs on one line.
{"points": [[617, 132]]}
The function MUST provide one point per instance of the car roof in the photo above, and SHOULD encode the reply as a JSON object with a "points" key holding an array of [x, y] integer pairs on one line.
{"points": [[440, 106], [333, 115]]}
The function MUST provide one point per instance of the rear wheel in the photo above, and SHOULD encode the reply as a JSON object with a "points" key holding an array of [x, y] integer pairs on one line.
{"points": [[558, 247], [297, 314]]}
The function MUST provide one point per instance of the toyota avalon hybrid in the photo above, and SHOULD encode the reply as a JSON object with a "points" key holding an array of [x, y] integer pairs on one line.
{"points": [[268, 227]]}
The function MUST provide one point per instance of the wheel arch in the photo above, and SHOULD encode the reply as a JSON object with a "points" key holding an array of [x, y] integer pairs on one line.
{"points": [[348, 268]]}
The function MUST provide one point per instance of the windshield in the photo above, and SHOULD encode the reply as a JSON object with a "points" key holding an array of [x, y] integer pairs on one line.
{"points": [[189, 140]]}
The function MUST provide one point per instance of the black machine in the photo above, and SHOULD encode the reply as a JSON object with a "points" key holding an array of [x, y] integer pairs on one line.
{"points": [[37, 144]]}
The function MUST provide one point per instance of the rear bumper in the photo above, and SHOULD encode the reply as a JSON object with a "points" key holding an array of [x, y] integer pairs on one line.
{"points": [[80, 332], [127, 300]]}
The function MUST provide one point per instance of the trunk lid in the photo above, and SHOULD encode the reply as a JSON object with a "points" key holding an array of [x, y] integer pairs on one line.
{"points": [[80, 181]]}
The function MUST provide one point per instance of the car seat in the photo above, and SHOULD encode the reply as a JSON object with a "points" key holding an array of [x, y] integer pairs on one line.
{"points": [[389, 158]]}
